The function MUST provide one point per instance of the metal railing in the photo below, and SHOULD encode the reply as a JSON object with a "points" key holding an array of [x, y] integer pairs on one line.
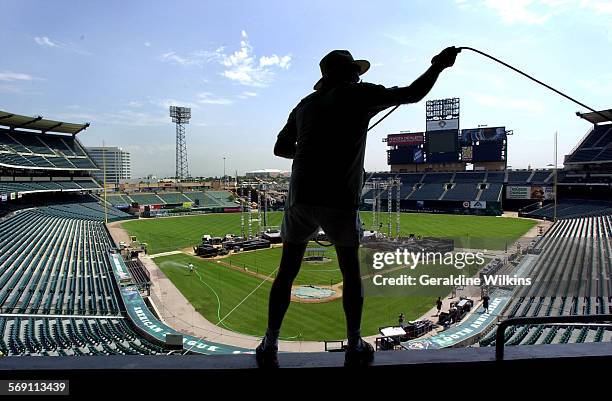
{"points": [[546, 320]]}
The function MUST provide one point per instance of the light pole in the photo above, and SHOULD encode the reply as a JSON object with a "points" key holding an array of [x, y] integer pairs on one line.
{"points": [[555, 182], [181, 116], [224, 180]]}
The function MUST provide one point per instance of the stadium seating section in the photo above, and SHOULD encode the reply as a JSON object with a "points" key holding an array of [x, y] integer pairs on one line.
{"points": [[571, 277], [57, 290], [207, 199], [118, 199], [492, 193], [56, 266], [22, 186], [87, 211], [464, 186], [571, 208], [427, 192], [173, 197], [42, 151], [58, 336], [595, 147], [146, 198]]}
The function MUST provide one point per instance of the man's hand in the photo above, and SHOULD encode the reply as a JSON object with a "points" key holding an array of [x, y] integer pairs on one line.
{"points": [[446, 58]]}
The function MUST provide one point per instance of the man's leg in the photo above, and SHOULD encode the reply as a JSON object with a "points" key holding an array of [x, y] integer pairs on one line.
{"points": [[280, 294], [280, 297], [352, 291]]}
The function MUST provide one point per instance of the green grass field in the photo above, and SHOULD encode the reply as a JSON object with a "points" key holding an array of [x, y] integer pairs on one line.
{"points": [[236, 300], [479, 232], [216, 291]]}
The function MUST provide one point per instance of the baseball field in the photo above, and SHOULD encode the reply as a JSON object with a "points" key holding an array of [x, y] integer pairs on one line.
{"points": [[232, 292]]}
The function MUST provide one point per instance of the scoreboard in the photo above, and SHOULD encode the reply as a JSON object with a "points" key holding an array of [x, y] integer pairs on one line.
{"points": [[444, 142], [483, 144]]}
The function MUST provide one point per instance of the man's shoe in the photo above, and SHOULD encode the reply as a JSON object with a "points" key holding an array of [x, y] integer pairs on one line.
{"points": [[266, 357], [362, 355]]}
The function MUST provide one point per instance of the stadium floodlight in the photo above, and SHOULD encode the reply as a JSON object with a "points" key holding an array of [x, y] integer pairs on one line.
{"points": [[442, 109], [181, 116]]}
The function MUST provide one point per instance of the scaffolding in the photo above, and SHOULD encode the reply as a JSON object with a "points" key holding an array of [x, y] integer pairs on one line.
{"points": [[391, 190]]}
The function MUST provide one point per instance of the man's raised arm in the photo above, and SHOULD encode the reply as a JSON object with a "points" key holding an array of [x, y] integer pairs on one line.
{"points": [[382, 98]]}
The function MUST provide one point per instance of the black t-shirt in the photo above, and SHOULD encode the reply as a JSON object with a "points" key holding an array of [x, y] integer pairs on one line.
{"points": [[329, 129]]}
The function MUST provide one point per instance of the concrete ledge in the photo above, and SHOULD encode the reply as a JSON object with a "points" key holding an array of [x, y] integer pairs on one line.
{"points": [[460, 371], [312, 360]]}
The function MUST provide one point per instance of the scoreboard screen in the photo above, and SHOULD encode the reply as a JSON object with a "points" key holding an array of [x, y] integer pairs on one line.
{"points": [[442, 141]]}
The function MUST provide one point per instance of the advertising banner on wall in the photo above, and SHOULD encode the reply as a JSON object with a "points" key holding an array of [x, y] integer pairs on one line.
{"points": [[542, 193], [478, 204], [466, 153], [518, 192], [529, 192], [406, 139]]}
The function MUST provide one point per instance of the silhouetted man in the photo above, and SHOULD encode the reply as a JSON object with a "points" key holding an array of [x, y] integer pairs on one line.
{"points": [[325, 136], [439, 305]]}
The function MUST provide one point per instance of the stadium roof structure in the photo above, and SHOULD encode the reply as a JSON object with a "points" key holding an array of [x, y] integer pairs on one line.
{"points": [[603, 116], [38, 123]]}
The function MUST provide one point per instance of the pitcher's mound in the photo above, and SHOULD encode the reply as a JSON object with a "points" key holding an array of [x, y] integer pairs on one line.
{"points": [[315, 293]]}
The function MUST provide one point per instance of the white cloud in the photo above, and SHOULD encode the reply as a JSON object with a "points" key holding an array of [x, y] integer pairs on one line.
{"points": [[282, 62], [147, 44], [241, 66], [9, 76], [524, 11], [173, 57], [209, 98], [45, 41]]}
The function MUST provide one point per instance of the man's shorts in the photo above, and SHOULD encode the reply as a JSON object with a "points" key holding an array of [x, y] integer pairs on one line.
{"points": [[301, 224]]}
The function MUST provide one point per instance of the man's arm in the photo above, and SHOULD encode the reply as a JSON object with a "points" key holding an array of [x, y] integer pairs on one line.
{"points": [[416, 91], [286, 141], [423, 84]]}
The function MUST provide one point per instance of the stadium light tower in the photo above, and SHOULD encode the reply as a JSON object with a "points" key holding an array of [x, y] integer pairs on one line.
{"points": [[181, 116]]}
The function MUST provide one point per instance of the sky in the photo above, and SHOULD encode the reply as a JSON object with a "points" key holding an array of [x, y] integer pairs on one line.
{"points": [[243, 65]]}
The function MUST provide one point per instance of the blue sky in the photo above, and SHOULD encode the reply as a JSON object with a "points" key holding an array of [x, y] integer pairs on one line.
{"points": [[243, 65]]}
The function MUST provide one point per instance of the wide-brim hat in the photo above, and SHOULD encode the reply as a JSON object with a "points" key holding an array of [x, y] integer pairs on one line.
{"points": [[339, 60]]}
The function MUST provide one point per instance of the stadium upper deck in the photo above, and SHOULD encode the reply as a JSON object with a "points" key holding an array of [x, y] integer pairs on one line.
{"points": [[53, 147], [39, 155]]}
